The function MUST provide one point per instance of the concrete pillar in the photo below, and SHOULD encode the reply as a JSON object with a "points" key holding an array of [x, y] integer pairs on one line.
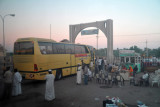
{"points": [[129, 59], [109, 27]]}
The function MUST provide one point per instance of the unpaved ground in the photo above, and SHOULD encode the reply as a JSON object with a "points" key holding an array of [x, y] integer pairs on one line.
{"points": [[68, 94]]}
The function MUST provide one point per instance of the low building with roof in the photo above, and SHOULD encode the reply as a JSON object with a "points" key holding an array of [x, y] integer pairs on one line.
{"points": [[130, 58]]}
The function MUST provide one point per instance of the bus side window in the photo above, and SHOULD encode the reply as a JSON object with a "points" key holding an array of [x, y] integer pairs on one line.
{"points": [[78, 49], [86, 50], [45, 48], [73, 49], [60, 49], [54, 48], [69, 49], [49, 48], [16, 48], [83, 49]]}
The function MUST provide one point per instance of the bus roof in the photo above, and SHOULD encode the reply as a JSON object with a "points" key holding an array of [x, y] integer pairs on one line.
{"points": [[42, 40], [34, 39]]}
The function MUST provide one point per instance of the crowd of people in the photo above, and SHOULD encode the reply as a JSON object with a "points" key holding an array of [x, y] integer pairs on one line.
{"points": [[85, 73], [12, 85], [101, 72]]}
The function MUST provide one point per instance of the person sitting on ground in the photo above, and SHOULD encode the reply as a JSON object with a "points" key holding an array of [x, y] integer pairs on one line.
{"points": [[145, 79], [145, 76]]}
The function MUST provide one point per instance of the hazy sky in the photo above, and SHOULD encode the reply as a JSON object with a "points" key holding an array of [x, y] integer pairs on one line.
{"points": [[134, 21]]}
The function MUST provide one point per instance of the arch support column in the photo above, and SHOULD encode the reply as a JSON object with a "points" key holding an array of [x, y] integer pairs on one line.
{"points": [[109, 33]]}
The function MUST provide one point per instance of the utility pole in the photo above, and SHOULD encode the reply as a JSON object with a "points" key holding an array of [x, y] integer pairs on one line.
{"points": [[50, 31], [146, 49], [97, 41]]}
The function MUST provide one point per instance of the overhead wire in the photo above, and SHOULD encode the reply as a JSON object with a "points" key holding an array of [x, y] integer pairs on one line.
{"points": [[131, 43]]}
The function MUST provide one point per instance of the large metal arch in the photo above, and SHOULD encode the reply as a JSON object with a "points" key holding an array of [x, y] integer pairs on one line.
{"points": [[105, 26]]}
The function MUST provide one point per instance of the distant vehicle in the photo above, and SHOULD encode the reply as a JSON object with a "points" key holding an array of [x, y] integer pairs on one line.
{"points": [[147, 60], [158, 60], [34, 56], [151, 62]]}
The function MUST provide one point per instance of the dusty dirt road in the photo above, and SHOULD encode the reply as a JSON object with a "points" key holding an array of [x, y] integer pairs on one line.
{"points": [[68, 94]]}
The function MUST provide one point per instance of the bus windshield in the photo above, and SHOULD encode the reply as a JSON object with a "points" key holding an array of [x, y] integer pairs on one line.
{"points": [[24, 48]]}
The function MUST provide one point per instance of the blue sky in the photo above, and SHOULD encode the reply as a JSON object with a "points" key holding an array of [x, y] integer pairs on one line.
{"points": [[134, 21]]}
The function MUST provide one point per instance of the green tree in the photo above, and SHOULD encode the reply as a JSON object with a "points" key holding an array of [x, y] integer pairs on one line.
{"points": [[116, 52], [136, 49], [158, 53], [151, 52]]}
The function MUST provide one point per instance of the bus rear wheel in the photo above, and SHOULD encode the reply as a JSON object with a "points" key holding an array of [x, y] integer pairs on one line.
{"points": [[59, 74]]}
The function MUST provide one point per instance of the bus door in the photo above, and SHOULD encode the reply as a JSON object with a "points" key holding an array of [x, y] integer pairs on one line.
{"points": [[73, 64], [70, 51]]}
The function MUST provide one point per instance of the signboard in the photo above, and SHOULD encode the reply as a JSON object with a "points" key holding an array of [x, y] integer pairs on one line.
{"points": [[127, 51], [89, 32]]}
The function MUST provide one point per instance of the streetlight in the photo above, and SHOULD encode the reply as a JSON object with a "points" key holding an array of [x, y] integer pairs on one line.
{"points": [[3, 28], [4, 35]]}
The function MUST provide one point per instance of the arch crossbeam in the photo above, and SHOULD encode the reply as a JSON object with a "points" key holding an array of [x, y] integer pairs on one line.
{"points": [[105, 26]]}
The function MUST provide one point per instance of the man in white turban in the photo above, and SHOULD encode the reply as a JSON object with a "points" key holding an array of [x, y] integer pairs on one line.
{"points": [[79, 74], [17, 78], [49, 92]]}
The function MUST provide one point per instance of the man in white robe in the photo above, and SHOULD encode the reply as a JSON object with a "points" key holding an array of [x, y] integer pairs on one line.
{"points": [[79, 74], [89, 75], [85, 75], [8, 77], [49, 92], [17, 78]]}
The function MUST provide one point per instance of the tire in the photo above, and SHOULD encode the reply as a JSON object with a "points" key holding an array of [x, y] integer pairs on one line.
{"points": [[58, 74]]}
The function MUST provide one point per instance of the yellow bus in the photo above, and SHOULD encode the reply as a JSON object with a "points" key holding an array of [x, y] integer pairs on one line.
{"points": [[33, 57]]}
